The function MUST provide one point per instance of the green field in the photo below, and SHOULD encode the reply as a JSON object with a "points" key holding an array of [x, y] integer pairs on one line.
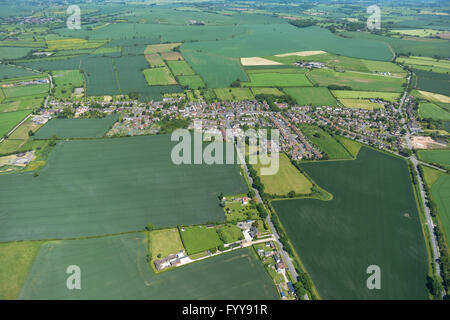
{"points": [[352, 147], [16, 259], [93, 187], [271, 91], [361, 104], [357, 81], [66, 81], [192, 82], [350, 94], [312, 96], [430, 110], [164, 242], [22, 103], [287, 179], [158, 76], [200, 238], [371, 220], [426, 63], [229, 233], [325, 142], [440, 191], [242, 94], [9, 119], [435, 156], [277, 80], [76, 128], [116, 268], [180, 68], [31, 90]]}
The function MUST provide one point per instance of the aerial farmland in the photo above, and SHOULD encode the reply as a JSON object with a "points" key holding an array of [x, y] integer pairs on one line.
{"points": [[129, 132]]}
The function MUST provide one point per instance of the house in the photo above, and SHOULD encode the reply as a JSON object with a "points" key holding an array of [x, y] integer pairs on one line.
{"points": [[244, 200], [291, 287], [260, 252], [279, 267]]}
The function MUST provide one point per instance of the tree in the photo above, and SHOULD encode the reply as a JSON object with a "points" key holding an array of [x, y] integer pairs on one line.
{"points": [[434, 285], [150, 227], [291, 194], [30, 133], [299, 290], [251, 194]]}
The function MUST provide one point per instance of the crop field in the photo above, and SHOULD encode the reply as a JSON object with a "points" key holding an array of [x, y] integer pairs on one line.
{"points": [[234, 275], [277, 80], [158, 76], [126, 182], [361, 104], [357, 81], [192, 82], [433, 82], [74, 43], [350, 94], [66, 81], [9, 72], [312, 96], [171, 56], [180, 68], [430, 110], [436, 156], [426, 63], [76, 128], [163, 47], [287, 179], [199, 238], [325, 142], [164, 242], [155, 60], [372, 219], [9, 119], [13, 52], [440, 191], [16, 259], [433, 48], [270, 91], [20, 91], [344, 63]]}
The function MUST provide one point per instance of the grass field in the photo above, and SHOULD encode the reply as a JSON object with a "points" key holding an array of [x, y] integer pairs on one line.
{"points": [[426, 63], [229, 233], [22, 103], [357, 81], [192, 82], [76, 128], [435, 156], [224, 94], [271, 91], [112, 185], [116, 268], [9, 119], [312, 96], [163, 47], [325, 142], [287, 179], [430, 110], [242, 94], [20, 91], [180, 68], [16, 259], [361, 104], [158, 76], [172, 56], [164, 242], [352, 147], [440, 191], [277, 80], [371, 220], [350, 94], [199, 238], [66, 81]]}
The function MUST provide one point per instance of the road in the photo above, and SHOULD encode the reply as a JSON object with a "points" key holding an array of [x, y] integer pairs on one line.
{"points": [[430, 224]]}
